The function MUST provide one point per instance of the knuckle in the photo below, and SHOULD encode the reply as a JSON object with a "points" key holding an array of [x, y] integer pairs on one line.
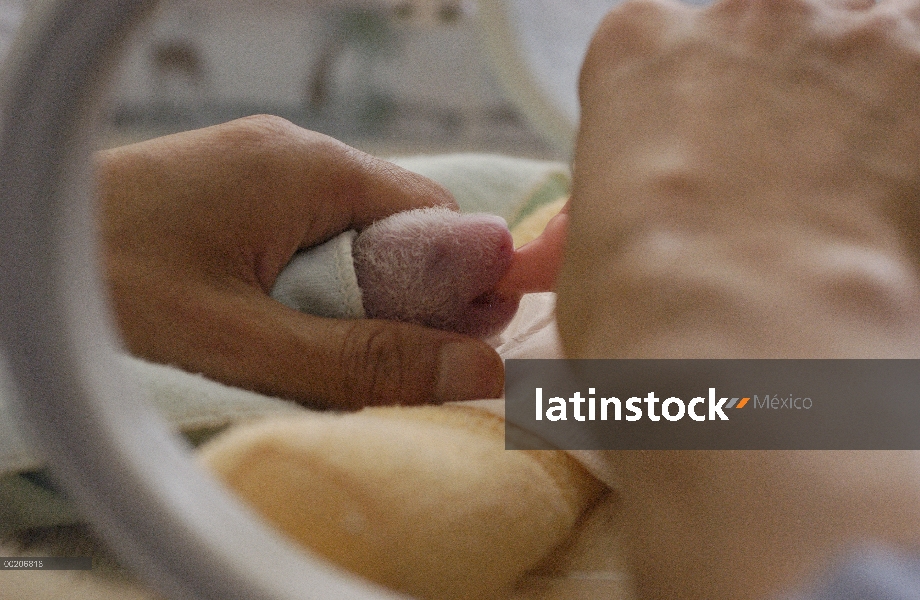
{"points": [[882, 23], [413, 188], [262, 136], [374, 355], [678, 183], [866, 283], [871, 31], [793, 6], [885, 39], [892, 32], [631, 20], [765, 7], [262, 126], [630, 30], [264, 154], [637, 12], [766, 23], [274, 140]]}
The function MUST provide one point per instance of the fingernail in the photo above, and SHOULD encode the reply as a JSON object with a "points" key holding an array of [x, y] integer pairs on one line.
{"points": [[468, 371]]}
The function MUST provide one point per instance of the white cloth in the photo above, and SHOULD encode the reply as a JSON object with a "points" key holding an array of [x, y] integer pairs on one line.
{"points": [[190, 402], [322, 281]]}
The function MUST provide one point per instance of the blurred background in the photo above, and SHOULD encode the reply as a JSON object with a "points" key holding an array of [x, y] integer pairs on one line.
{"points": [[387, 76]]}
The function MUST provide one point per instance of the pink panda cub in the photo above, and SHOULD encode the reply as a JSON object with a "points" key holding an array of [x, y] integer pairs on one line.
{"points": [[452, 271], [437, 268], [432, 267]]}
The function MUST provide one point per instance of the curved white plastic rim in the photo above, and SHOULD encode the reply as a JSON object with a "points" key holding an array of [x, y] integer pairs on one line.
{"points": [[110, 450], [537, 47]]}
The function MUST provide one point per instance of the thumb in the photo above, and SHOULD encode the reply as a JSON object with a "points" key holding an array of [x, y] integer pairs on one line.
{"points": [[241, 337], [380, 362]]}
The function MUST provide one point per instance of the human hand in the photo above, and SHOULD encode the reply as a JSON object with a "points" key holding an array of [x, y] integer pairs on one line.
{"points": [[745, 183], [196, 227], [744, 186]]}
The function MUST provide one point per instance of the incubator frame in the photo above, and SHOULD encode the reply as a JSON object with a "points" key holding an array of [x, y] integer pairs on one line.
{"points": [[114, 456]]}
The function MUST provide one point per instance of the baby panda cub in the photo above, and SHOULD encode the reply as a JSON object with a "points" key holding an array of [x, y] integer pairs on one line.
{"points": [[433, 267], [437, 268]]}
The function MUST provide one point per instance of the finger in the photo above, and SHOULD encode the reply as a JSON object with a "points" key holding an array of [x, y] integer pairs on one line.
{"points": [[386, 189], [241, 338], [536, 265], [349, 364], [277, 187], [369, 187], [298, 175]]}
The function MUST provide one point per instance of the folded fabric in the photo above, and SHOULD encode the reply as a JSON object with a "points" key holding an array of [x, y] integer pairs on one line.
{"points": [[322, 281], [424, 500]]}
